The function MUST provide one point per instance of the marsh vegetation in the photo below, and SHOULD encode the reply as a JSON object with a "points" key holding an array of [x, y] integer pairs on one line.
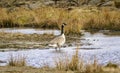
{"points": [[18, 64], [92, 18], [92, 36]]}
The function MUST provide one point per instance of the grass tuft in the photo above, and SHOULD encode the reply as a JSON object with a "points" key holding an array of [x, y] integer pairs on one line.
{"points": [[112, 65], [77, 64], [68, 64], [19, 60], [52, 18], [93, 68]]}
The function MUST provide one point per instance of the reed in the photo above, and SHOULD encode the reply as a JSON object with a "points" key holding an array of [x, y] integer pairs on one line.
{"points": [[68, 64], [52, 18], [112, 65], [93, 68], [19, 60], [76, 63]]}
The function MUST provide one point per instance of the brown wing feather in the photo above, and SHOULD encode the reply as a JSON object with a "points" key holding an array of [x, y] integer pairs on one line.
{"points": [[57, 40]]}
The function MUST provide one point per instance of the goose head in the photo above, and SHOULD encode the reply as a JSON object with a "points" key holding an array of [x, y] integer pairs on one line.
{"points": [[63, 24]]}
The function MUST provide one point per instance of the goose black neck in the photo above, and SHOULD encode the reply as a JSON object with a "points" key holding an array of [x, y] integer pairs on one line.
{"points": [[62, 29]]}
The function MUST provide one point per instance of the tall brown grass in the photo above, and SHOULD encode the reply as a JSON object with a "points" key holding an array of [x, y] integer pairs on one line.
{"points": [[69, 64], [104, 19], [112, 65], [18, 60], [50, 17], [93, 68], [76, 63]]}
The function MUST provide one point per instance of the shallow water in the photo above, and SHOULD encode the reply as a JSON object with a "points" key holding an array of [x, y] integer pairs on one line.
{"points": [[101, 41], [105, 48], [29, 31], [39, 58]]}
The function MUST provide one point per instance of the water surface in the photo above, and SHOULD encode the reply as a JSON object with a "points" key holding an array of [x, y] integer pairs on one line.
{"points": [[106, 48], [29, 31]]}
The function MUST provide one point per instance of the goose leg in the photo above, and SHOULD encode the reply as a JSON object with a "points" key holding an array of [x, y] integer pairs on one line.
{"points": [[56, 48], [59, 48]]}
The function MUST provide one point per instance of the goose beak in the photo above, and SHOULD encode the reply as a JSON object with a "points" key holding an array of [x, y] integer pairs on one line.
{"points": [[64, 24]]}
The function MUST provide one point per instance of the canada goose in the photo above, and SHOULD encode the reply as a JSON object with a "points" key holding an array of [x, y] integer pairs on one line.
{"points": [[58, 41]]}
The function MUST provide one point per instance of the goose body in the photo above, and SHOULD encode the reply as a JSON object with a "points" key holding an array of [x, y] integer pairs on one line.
{"points": [[58, 41]]}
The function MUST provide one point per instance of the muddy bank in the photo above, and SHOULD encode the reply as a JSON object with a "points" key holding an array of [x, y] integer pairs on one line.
{"points": [[23, 41], [17, 39], [27, 41]]}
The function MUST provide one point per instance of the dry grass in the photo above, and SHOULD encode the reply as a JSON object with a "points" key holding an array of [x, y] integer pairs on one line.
{"points": [[50, 17], [112, 65], [74, 65], [9, 69], [68, 64], [105, 19], [19, 60], [24, 41], [93, 68], [77, 64]]}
